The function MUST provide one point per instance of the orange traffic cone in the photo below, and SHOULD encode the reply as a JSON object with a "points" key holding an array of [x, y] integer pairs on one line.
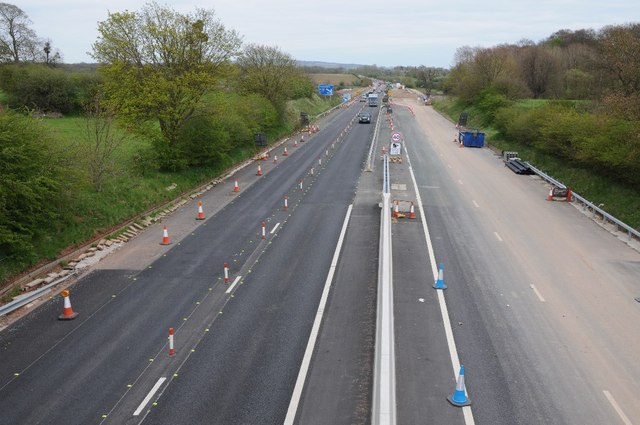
{"points": [[412, 213], [275, 159], [550, 195], [165, 236], [67, 313], [396, 210], [236, 188], [295, 143], [259, 173], [286, 152], [200, 215]]}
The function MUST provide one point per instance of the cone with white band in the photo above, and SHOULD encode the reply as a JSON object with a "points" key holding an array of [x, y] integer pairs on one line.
{"points": [[440, 281], [459, 397], [165, 236], [67, 313], [236, 188], [200, 215], [172, 352]]}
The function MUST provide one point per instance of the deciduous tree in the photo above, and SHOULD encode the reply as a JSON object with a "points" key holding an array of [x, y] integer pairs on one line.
{"points": [[18, 42], [158, 63], [270, 72]]}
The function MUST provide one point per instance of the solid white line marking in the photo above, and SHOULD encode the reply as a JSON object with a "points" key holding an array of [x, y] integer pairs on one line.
{"points": [[476, 204], [540, 297], [274, 228], [617, 408], [235, 281], [146, 400], [453, 351], [497, 236], [306, 361]]}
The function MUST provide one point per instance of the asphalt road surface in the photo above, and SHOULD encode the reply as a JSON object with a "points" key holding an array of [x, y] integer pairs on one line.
{"points": [[540, 298], [237, 353]]}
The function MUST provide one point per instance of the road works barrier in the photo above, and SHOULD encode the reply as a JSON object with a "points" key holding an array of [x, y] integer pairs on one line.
{"points": [[383, 409], [588, 206]]}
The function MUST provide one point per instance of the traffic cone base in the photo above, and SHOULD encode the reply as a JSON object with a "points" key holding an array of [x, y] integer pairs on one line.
{"points": [[459, 399], [67, 312]]}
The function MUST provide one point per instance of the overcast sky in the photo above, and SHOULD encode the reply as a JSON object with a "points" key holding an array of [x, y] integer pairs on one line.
{"points": [[380, 32]]}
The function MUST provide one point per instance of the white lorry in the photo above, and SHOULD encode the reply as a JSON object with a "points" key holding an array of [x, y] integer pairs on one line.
{"points": [[373, 99]]}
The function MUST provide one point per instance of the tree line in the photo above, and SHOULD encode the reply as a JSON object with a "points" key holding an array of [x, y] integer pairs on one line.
{"points": [[182, 82], [589, 85]]}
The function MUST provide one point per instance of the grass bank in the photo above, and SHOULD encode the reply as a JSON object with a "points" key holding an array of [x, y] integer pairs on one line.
{"points": [[128, 190], [619, 200]]}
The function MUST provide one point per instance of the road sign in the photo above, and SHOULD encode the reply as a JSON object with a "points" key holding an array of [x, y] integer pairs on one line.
{"points": [[325, 89], [396, 136]]}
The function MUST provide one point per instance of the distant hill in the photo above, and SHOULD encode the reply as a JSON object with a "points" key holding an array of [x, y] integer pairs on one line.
{"points": [[328, 65]]}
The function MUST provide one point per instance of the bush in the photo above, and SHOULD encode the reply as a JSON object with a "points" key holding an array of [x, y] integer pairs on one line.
{"points": [[46, 89], [31, 193]]}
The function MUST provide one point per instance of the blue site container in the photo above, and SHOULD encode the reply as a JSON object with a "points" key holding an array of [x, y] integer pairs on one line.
{"points": [[472, 139]]}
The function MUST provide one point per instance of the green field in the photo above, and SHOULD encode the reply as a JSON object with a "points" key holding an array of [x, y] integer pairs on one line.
{"points": [[335, 79]]}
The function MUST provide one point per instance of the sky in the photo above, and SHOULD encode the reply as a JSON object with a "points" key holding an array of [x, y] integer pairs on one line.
{"points": [[368, 32]]}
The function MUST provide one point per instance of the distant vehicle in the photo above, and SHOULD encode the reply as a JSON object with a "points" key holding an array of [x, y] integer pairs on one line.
{"points": [[373, 100], [364, 117], [363, 98]]}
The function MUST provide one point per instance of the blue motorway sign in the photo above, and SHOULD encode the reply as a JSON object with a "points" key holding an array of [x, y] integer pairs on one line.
{"points": [[325, 89]]}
